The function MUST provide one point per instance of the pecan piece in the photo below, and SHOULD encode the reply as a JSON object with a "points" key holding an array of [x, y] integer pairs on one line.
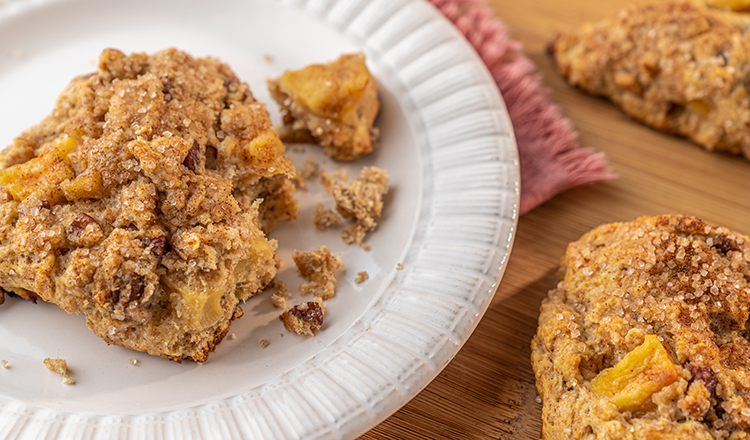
{"points": [[136, 289], [80, 223], [192, 160], [707, 376], [158, 245]]}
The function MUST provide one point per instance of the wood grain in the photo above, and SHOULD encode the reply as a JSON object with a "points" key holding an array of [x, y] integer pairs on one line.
{"points": [[487, 391]]}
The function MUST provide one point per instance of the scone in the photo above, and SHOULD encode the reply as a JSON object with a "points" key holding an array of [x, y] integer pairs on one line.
{"points": [[139, 202], [332, 104], [677, 66], [645, 336]]}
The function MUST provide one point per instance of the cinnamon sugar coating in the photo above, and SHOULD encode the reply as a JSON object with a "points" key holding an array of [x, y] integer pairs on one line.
{"points": [[135, 202], [677, 66], [673, 278]]}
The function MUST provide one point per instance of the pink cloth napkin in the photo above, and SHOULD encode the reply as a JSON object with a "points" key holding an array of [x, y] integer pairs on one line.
{"points": [[551, 158]]}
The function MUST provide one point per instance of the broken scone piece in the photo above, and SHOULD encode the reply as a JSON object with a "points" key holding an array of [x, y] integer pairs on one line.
{"points": [[332, 104], [304, 318], [361, 200], [678, 66], [317, 268], [137, 202], [646, 334]]}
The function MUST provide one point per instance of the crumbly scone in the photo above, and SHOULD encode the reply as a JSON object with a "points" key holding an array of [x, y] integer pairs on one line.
{"points": [[646, 336], [362, 201], [317, 267], [678, 66], [332, 104], [134, 202]]}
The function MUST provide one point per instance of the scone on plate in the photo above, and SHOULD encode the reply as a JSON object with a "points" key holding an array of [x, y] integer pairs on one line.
{"points": [[646, 336], [675, 65], [332, 104], [140, 202]]}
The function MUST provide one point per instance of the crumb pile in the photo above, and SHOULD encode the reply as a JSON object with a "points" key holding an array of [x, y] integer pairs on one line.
{"points": [[317, 267], [135, 203], [647, 334]]}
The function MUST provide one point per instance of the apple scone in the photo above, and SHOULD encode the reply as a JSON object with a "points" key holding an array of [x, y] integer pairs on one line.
{"points": [[678, 66], [141, 202], [334, 105], [646, 335]]}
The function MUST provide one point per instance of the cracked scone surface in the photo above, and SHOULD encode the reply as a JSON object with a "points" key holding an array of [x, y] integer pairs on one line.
{"points": [[134, 202], [332, 104], [645, 335], [676, 66]]}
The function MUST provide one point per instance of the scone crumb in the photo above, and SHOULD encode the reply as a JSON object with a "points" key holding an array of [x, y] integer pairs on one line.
{"points": [[264, 343], [232, 336], [399, 266], [267, 57], [133, 361], [329, 179], [59, 366], [362, 201], [304, 318], [67, 380], [6, 364], [309, 169], [281, 295], [324, 218], [361, 277], [317, 267]]}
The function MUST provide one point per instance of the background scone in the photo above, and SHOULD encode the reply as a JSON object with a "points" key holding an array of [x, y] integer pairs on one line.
{"points": [[134, 202], [332, 104], [676, 65], [645, 336]]}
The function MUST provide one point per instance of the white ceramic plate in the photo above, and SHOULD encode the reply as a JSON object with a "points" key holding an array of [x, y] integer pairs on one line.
{"points": [[449, 221]]}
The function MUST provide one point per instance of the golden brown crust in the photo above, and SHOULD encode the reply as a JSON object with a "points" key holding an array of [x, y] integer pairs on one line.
{"points": [[134, 202], [675, 278], [677, 66], [334, 104]]}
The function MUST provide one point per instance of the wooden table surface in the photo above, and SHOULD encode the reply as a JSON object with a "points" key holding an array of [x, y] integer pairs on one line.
{"points": [[487, 391]]}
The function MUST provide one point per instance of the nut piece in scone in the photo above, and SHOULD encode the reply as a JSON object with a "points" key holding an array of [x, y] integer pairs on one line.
{"points": [[646, 334], [677, 66], [332, 104], [134, 203]]}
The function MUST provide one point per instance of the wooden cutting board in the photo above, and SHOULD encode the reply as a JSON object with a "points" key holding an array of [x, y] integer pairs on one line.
{"points": [[487, 391]]}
